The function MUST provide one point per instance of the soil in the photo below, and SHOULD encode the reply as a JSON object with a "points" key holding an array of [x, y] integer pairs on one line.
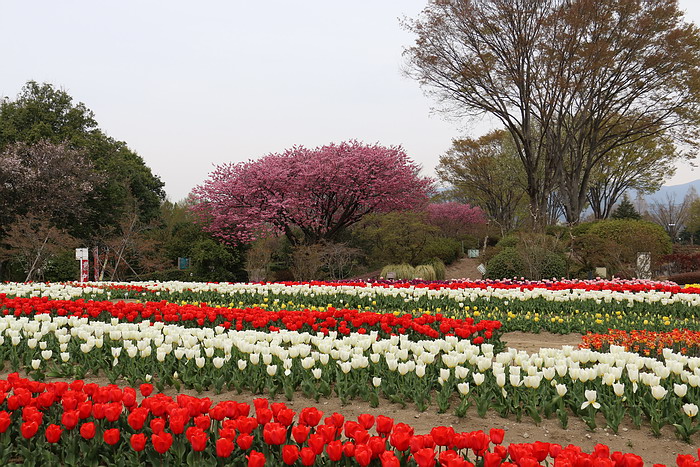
{"points": [[661, 450], [463, 268]]}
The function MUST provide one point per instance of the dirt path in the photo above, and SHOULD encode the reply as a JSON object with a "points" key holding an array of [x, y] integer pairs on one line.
{"points": [[464, 268]]}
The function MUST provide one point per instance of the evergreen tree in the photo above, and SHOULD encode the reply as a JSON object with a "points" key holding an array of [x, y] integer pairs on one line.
{"points": [[625, 210]]}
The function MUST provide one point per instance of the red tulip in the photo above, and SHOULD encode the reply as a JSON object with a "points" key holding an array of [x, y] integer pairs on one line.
{"points": [[496, 435], [492, 459], [316, 443], [256, 459], [300, 433], [5, 421], [70, 419], [87, 430], [137, 418], [334, 449], [363, 454], [274, 433], [224, 447], [244, 441], [146, 389], [442, 435], [157, 425], [308, 456], [111, 436], [310, 416], [29, 429], [424, 457], [366, 420], [384, 424], [198, 439], [290, 454], [389, 459], [138, 442], [113, 411], [162, 441], [53, 433]]}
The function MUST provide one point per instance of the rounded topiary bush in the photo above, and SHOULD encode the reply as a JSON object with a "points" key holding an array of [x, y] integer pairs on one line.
{"points": [[506, 264]]}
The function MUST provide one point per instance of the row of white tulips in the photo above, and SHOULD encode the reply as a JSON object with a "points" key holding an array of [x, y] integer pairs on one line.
{"points": [[407, 294], [60, 338]]}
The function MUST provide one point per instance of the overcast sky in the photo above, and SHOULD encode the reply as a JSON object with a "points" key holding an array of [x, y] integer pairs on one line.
{"points": [[189, 85]]}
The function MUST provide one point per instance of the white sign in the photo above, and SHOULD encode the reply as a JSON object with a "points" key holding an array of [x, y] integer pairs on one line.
{"points": [[81, 253], [481, 268]]}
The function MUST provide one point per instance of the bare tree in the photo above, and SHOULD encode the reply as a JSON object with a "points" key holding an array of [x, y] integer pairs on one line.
{"points": [[33, 242], [571, 80], [670, 214]]}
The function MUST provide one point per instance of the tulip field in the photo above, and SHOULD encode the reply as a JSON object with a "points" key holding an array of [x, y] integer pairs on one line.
{"points": [[428, 346]]}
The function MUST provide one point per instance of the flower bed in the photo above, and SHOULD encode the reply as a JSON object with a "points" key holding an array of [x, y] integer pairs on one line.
{"points": [[343, 321], [446, 370], [646, 342], [555, 307], [85, 424]]}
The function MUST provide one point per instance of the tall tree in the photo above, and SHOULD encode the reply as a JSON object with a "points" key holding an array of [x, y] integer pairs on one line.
{"points": [[486, 172], [642, 166], [43, 113], [308, 194], [571, 80]]}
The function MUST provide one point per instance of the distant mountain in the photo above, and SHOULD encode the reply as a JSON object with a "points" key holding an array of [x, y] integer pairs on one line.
{"points": [[678, 191]]}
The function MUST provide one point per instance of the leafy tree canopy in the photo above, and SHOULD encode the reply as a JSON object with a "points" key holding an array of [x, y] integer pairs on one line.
{"points": [[43, 113]]}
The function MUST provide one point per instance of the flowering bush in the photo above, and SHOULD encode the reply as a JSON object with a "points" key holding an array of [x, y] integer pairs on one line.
{"points": [[77, 423]]}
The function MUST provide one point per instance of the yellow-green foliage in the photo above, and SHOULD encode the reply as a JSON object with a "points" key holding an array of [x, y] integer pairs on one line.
{"points": [[425, 272], [402, 271], [439, 268]]}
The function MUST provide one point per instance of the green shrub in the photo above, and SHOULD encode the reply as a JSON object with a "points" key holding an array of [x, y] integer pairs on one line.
{"points": [[447, 249], [509, 241], [506, 264], [62, 267], [631, 237], [553, 266]]}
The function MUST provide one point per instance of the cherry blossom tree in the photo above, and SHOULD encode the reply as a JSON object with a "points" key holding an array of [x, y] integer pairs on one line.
{"points": [[308, 195], [455, 219]]}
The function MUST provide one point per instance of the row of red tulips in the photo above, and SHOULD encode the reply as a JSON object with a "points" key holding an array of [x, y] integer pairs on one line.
{"points": [[86, 424], [343, 321]]}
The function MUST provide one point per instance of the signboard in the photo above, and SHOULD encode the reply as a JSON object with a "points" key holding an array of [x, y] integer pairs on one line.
{"points": [[183, 263], [473, 253], [81, 253], [481, 268]]}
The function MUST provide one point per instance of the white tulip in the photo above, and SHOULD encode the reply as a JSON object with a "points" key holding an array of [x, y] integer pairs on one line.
{"points": [[680, 389], [591, 396], [691, 410], [659, 392]]}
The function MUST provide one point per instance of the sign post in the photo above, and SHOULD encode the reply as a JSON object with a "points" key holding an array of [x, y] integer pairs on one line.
{"points": [[81, 254]]}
